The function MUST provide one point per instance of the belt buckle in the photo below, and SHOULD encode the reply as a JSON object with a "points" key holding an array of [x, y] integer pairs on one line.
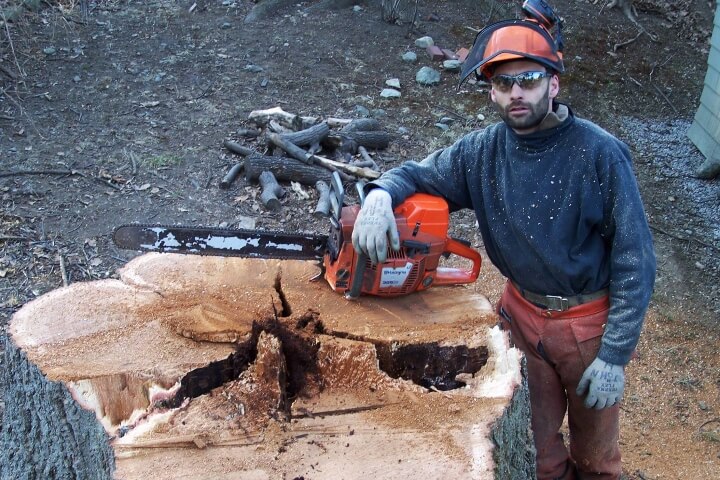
{"points": [[557, 303]]}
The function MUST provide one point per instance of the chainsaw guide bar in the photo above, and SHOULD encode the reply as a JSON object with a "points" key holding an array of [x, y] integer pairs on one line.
{"points": [[220, 241]]}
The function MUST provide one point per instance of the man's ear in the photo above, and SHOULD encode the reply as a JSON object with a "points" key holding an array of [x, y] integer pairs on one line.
{"points": [[491, 92], [554, 86]]}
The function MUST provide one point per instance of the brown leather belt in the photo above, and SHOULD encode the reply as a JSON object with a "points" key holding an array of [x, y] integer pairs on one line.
{"points": [[559, 303]]}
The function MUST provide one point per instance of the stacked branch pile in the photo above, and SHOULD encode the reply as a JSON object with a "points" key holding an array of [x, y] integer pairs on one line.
{"points": [[306, 150]]}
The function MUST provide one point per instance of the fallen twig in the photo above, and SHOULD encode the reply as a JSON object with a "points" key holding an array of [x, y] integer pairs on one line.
{"points": [[11, 238], [628, 42], [10, 42], [63, 270], [40, 172], [685, 239], [657, 89]]}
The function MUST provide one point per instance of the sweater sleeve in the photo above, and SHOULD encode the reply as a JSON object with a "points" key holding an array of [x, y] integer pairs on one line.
{"points": [[443, 173], [632, 259]]}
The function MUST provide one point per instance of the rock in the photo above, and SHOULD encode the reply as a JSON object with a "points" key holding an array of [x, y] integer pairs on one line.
{"points": [[424, 42], [452, 65], [253, 68], [410, 57], [480, 117], [709, 169], [357, 8], [245, 222], [427, 76], [49, 50], [443, 126], [447, 120], [435, 53], [378, 113], [390, 93], [393, 83], [362, 111]]}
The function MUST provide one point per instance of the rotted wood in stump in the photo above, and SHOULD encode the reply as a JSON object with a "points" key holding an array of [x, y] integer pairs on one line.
{"points": [[208, 368], [285, 169], [272, 192]]}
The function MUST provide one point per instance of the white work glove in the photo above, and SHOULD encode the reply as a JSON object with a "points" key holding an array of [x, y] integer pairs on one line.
{"points": [[604, 384], [373, 225]]}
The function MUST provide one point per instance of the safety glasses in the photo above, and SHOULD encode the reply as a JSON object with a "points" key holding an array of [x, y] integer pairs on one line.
{"points": [[525, 80]]}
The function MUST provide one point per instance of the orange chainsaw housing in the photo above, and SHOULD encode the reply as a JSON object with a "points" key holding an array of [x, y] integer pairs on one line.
{"points": [[422, 223]]}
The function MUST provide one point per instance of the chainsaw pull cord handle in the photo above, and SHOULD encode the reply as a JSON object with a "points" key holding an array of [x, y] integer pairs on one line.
{"points": [[453, 276]]}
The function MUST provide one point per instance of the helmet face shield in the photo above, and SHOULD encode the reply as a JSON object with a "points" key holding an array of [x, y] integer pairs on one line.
{"points": [[511, 40]]}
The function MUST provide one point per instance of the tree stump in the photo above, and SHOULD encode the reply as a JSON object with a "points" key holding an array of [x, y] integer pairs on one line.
{"points": [[228, 368]]}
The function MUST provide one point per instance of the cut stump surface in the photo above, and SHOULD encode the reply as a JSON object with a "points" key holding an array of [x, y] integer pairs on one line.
{"points": [[220, 368]]}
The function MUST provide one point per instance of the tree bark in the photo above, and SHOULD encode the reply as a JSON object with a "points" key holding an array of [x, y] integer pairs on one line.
{"points": [[210, 367], [45, 432]]}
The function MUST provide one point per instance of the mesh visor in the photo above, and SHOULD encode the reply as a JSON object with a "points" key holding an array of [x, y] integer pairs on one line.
{"points": [[510, 40]]}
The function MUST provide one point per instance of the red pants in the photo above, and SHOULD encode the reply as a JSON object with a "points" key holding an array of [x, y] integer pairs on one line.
{"points": [[558, 347]]}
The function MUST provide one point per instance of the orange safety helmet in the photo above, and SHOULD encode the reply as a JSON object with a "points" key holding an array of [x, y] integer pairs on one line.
{"points": [[511, 40]]}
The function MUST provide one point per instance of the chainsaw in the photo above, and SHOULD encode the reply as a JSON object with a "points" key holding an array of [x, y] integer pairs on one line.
{"points": [[422, 223]]}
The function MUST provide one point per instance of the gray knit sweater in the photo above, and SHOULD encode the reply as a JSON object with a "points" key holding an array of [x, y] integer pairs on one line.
{"points": [[559, 212]]}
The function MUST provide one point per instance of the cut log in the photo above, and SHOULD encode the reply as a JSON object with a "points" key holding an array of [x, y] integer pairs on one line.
{"points": [[285, 169], [262, 117], [272, 192], [362, 125], [218, 368], [231, 175], [338, 122], [322, 209], [377, 140], [237, 148], [367, 159], [309, 136]]}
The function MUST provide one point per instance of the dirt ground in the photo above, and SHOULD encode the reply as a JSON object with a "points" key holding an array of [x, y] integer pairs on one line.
{"points": [[136, 99]]}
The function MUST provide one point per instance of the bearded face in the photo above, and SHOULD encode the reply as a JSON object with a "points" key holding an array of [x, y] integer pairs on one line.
{"points": [[523, 103]]}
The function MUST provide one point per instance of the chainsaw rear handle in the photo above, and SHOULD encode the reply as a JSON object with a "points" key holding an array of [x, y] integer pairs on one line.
{"points": [[452, 276]]}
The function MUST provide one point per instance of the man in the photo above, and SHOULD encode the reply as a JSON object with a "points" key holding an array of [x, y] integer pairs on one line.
{"points": [[561, 217]]}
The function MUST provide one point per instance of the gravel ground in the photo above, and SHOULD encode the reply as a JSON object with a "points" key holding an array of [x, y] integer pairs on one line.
{"points": [[683, 210]]}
